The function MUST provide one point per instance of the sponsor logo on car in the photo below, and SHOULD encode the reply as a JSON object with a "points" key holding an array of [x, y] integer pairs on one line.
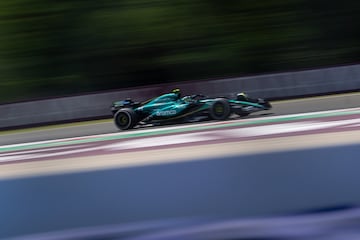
{"points": [[166, 113]]}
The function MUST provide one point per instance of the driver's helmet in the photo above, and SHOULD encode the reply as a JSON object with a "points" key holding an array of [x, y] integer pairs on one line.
{"points": [[242, 96], [176, 91]]}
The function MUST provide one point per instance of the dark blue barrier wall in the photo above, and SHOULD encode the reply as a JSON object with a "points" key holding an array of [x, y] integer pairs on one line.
{"points": [[233, 187]]}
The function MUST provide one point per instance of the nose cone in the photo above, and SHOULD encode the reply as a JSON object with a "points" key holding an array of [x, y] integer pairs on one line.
{"points": [[267, 105]]}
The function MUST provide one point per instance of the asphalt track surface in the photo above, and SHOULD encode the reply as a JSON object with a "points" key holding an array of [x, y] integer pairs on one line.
{"points": [[324, 103]]}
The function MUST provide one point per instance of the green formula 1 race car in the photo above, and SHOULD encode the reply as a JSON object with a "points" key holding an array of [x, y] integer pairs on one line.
{"points": [[171, 108]]}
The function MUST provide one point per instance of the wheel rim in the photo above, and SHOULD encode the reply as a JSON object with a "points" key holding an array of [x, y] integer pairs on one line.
{"points": [[219, 109], [123, 120]]}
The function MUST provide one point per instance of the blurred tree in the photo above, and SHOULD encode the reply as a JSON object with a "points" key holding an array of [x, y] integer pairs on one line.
{"points": [[64, 47]]}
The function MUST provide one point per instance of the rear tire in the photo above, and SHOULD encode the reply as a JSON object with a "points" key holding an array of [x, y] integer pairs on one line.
{"points": [[220, 109], [125, 118]]}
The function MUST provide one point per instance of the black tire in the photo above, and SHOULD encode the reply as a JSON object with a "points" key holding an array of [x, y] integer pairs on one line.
{"points": [[125, 118], [220, 109]]}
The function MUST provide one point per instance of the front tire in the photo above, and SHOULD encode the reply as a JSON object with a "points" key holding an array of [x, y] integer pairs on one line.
{"points": [[220, 109], [125, 118]]}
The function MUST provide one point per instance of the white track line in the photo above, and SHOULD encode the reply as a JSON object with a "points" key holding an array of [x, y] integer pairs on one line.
{"points": [[151, 130]]}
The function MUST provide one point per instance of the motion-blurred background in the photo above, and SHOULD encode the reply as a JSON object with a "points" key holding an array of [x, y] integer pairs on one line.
{"points": [[56, 48]]}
